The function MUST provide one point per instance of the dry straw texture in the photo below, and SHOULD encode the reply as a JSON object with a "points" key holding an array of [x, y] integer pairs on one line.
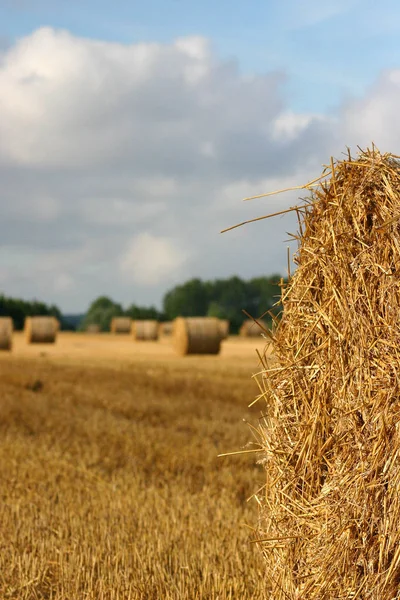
{"points": [[6, 331], [41, 330], [145, 330], [166, 328], [250, 328], [224, 328], [93, 328], [197, 335], [330, 522], [121, 325]]}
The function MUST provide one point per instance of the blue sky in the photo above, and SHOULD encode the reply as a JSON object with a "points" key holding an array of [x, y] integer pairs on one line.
{"points": [[328, 50], [130, 132]]}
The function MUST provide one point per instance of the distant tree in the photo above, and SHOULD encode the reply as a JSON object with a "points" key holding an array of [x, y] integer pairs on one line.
{"points": [[19, 309], [267, 293], [188, 300], [100, 312], [224, 298], [216, 310], [143, 312]]}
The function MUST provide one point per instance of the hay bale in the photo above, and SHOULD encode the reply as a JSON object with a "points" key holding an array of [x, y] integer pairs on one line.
{"points": [[330, 433], [121, 325], [6, 331], [40, 330], [224, 328], [145, 330], [166, 329], [93, 328], [251, 329], [197, 335]]}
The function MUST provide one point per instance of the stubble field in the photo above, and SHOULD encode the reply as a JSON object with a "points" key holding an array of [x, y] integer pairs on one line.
{"points": [[111, 487]]}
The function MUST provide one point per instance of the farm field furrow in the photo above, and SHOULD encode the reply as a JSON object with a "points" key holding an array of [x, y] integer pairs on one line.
{"points": [[111, 485]]}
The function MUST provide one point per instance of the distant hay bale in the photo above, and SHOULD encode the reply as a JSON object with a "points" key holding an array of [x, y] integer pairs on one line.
{"points": [[197, 335], [224, 328], [41, 330], [93, 328], [6, 331], [121, 325], [166, 328], [145, 330], [330, 431], [251, 329]]}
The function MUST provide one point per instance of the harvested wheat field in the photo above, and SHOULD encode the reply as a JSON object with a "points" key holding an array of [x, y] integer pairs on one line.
{"points": [[111, 484]]}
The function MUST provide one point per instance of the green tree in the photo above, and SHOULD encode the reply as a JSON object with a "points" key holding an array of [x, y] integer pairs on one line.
{"points": [[216, 310], [19, 309], [188, 300], [224, 298], [100, 312], [143, 312], [267, 293]]}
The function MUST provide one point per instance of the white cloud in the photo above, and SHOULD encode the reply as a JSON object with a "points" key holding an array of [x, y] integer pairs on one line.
{"points": [[196, 47], [151, 260], [120, 164], [289, 125], [374, 118]]}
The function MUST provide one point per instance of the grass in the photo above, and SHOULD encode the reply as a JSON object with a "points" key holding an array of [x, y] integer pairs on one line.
{"points": [[111, 485]]}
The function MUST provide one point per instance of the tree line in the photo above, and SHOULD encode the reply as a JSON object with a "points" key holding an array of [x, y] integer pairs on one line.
{"points": [[222, 298], [19, 309]]}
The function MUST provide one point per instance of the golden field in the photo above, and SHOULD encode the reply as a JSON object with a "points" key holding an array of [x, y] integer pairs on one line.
{"points": [[110, 480]]}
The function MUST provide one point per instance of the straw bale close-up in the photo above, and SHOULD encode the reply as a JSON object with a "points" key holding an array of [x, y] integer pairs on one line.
{"points": [[197, 335], [224, 328], [145, 330], [6, 332], [166, 328], [250, 328], [40, 330], [330, 430], [121, 325]]}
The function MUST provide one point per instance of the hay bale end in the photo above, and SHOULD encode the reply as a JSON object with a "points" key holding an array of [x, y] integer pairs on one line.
{"points": [[41, 330], [121, 325], [197, 335], [145, 330], [6, 332]]}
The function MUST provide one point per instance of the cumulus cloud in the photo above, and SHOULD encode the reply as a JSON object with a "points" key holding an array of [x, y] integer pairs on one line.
{"points": [[151, 260], [120, 164], [375, 117]]}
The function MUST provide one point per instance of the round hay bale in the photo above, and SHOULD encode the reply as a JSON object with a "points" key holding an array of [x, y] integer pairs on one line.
{"points": [[251, 329], [224, 328], [197, 335], [145, 330], [41, 330], [330, 432], [6, 331], [121, 325], [93, 328], [166, 328]]}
